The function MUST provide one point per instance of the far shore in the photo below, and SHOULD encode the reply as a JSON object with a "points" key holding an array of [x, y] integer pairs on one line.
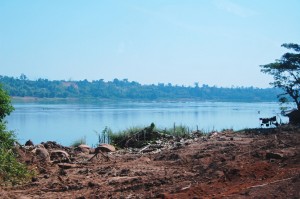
{"points": [[94, 99]]}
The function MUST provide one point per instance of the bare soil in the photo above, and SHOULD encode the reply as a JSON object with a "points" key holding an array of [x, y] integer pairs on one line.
{"points": [[257, 163]]}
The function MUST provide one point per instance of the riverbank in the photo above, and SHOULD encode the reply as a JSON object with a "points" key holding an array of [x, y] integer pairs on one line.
{"points": [[98, 99], [252, 163]]}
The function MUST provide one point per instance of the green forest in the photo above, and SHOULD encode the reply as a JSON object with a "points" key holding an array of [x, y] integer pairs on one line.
{"points": [[124, 89]]}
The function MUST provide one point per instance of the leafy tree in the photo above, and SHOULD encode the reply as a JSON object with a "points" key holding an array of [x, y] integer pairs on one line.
{"points": [[5, 104], [286, 74], [23, 77]]}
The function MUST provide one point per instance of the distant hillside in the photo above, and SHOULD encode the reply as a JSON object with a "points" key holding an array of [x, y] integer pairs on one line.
{"points": [[124, 89]]}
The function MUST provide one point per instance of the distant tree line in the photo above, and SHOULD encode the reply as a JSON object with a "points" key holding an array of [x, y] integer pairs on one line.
{"points": [[124, 89]]}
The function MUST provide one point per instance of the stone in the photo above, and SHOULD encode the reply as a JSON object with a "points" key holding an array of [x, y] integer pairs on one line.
{"points": [[106, 148], [59, 155], [42, 154], [83, 148]]}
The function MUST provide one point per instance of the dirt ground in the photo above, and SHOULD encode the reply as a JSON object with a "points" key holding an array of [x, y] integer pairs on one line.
{"points": [[257, 163]]}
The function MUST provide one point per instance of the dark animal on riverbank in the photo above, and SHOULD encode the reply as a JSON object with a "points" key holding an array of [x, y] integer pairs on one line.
{"points": [[294, 117], [269, 121]]}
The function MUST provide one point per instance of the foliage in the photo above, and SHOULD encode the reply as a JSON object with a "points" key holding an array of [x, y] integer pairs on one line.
{"points": [[11, 171], [5, 104], [124, 89], [286, 74], [105, 135], [118, 137], [179, 131], [138, 136]]}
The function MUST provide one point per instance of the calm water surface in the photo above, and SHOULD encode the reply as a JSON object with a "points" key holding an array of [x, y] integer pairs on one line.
{"points": [[67, 122]]}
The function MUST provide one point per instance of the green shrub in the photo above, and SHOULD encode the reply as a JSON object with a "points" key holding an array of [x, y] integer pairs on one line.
{"points": [[117, 138], [140, 136], [11, 171]]}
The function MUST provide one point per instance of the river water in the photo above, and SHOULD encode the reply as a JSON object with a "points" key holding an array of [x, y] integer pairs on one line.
{"points": [[67, 122]]}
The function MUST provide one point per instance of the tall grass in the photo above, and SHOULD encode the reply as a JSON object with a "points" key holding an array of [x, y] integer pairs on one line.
{"points": [[142, 135], [118, 137], [177, 131]]}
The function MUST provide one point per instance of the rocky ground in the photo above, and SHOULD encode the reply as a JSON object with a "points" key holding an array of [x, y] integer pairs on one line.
{"points": [[257, 163]]}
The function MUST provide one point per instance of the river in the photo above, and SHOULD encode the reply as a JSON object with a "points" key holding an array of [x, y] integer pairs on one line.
{"points": [[67, 122]]}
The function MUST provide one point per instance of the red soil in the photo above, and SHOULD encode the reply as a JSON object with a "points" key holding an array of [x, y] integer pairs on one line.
{"points": [[254, 164]]}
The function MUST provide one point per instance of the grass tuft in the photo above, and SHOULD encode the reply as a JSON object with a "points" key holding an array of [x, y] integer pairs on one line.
{"points": [[78, 142]]}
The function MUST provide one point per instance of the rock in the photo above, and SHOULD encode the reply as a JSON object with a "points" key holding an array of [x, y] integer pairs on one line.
{"points": [[59, 155], [83, 148], [42, 154], [106, 148]]}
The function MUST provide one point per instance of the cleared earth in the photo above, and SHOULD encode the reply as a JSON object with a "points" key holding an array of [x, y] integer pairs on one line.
{"points": [[257, 163]]}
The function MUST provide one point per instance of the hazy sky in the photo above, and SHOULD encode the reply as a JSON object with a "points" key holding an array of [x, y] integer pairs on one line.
{"points": [[217, 42]]}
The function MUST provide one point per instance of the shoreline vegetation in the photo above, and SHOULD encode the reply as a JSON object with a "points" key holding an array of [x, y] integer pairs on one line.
{"points": [[74, 99], [137, 136], [141, 136], [25, 89]]}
